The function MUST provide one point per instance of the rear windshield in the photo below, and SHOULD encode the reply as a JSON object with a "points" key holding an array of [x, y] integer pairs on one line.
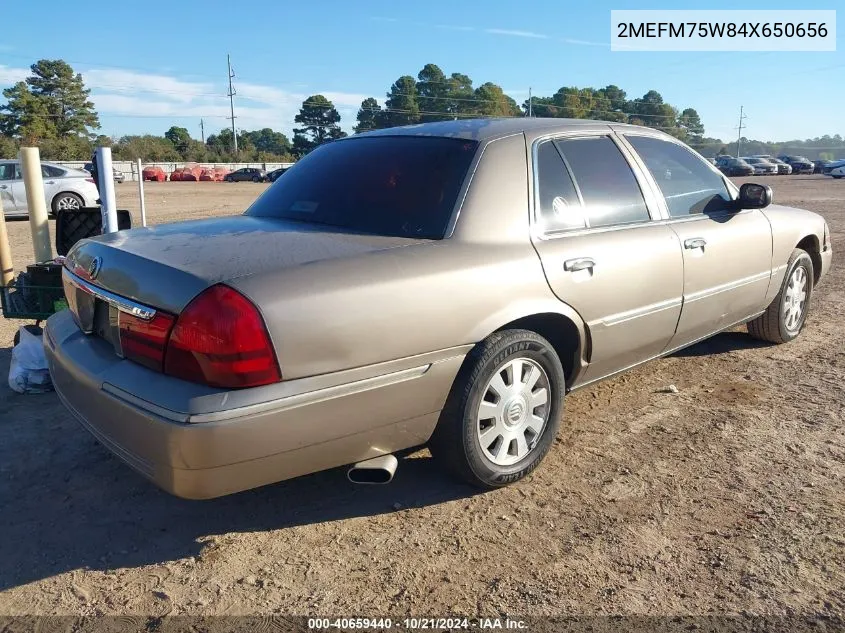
{"points": [[405, 186]]}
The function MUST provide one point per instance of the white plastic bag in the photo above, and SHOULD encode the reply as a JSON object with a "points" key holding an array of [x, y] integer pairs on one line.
{"points": [[28, 372]]}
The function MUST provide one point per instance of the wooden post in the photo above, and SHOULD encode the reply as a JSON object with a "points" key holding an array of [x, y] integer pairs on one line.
{"points": [[37, 206], [7, 270]]}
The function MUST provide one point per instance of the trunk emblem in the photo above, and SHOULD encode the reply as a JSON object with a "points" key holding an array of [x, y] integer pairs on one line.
{"points": [[94, 267]]}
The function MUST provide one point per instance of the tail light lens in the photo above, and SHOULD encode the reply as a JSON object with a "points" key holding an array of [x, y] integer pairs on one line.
{"points": [[91, 180], [145, 341], [220, 340]]}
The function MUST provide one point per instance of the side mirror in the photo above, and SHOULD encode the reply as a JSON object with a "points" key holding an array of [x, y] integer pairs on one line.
{"points": [[753, 196]]}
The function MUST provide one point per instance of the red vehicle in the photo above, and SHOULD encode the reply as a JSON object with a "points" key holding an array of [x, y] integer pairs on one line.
{"points": [[187, 173], [154, 173], [214, 174]]}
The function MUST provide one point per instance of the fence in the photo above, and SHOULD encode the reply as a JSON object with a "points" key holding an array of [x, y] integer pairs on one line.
{"points": [[129, 169]]}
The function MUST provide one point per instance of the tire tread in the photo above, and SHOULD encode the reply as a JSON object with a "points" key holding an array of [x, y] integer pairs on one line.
{"points": [[766, 327]]}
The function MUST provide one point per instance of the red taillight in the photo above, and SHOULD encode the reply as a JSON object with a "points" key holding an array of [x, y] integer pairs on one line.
{"points": [[91, 180], [145, 341], [220, 340]]}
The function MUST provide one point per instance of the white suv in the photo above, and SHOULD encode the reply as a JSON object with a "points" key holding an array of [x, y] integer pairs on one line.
{"points": [[64, 188]]}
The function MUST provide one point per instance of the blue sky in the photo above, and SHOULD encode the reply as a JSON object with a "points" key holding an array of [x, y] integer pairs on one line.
{"points": [[166, 64]]}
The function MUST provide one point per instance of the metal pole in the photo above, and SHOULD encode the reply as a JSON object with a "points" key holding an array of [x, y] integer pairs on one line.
{"points": [[36, 205], [739, 135], [7, 270], [232, 102], [141, 193], [530, 103], [109, 204]]}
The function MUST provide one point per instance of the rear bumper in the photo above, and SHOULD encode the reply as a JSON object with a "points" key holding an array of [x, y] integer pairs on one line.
{"points": [[215, 453]]}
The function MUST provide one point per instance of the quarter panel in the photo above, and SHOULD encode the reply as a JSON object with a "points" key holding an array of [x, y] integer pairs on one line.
{"points": [[330, 316]]}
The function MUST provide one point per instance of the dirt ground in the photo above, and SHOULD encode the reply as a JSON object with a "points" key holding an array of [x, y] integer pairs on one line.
{"points": [[726, 497]]}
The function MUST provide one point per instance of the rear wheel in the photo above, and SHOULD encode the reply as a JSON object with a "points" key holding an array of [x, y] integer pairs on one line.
{"points": [[229, 179], [256, 179], [66, 200], [503, 412], [784, 318]]}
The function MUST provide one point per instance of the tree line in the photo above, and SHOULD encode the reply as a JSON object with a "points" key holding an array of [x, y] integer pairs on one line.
{"points": [[52, 109]]}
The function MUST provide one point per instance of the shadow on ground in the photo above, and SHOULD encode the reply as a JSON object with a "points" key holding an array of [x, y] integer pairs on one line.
{"points": [[67, 503], [722, 344]]}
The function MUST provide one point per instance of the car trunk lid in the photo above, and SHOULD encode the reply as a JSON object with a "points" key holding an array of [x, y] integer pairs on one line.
{"points": [[166, 266]]}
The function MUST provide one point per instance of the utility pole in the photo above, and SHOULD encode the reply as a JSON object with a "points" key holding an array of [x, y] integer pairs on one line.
{"points": [[202, 130], [530, 103], [739, 135], [232, 101]]}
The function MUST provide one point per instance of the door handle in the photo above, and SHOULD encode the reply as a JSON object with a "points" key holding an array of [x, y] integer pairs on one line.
{"points": [[695, 242], [581, 263]]}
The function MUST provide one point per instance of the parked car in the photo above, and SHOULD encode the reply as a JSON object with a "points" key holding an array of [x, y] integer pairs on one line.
{"points": [[408, 287], [64, 188], [819, 165], [761, 167], [188, 173], [799, 164], [246, 173], [273, 175], [783, 168], [735, 167], [830, 165], [118, 175], [154, 173], [838, 171], [214, 174]]}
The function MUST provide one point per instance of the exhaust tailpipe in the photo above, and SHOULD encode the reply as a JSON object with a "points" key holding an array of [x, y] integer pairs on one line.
{"points": [[378, 470]]}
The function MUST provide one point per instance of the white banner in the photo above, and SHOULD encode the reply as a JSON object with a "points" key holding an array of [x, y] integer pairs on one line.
{"points": [[707, 30]]}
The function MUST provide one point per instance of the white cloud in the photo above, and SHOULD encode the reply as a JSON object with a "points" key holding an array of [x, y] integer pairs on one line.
{"points": [[9, 76], [126, 81], [584, 42], [125, 94], [513, 33]]}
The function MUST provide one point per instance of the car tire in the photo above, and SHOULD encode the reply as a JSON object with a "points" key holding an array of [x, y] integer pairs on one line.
{"points": [[486, 452], [784, 319], [229, 179], [66, 200], [256, 179], [837, 177]]}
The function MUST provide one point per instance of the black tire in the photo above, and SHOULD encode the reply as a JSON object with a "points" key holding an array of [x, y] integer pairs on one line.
{"points": [[455, 444], [837, 177], [229, 179], [256, 179], [66, 195], [773, 325]]}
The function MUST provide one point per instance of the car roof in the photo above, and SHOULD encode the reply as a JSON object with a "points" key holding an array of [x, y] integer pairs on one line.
{"points": [[492, 128], [43, 162]]}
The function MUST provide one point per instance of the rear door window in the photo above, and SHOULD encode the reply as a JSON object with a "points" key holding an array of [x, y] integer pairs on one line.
{"points": [[608, 187], [48, 171], [559, 204]]}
